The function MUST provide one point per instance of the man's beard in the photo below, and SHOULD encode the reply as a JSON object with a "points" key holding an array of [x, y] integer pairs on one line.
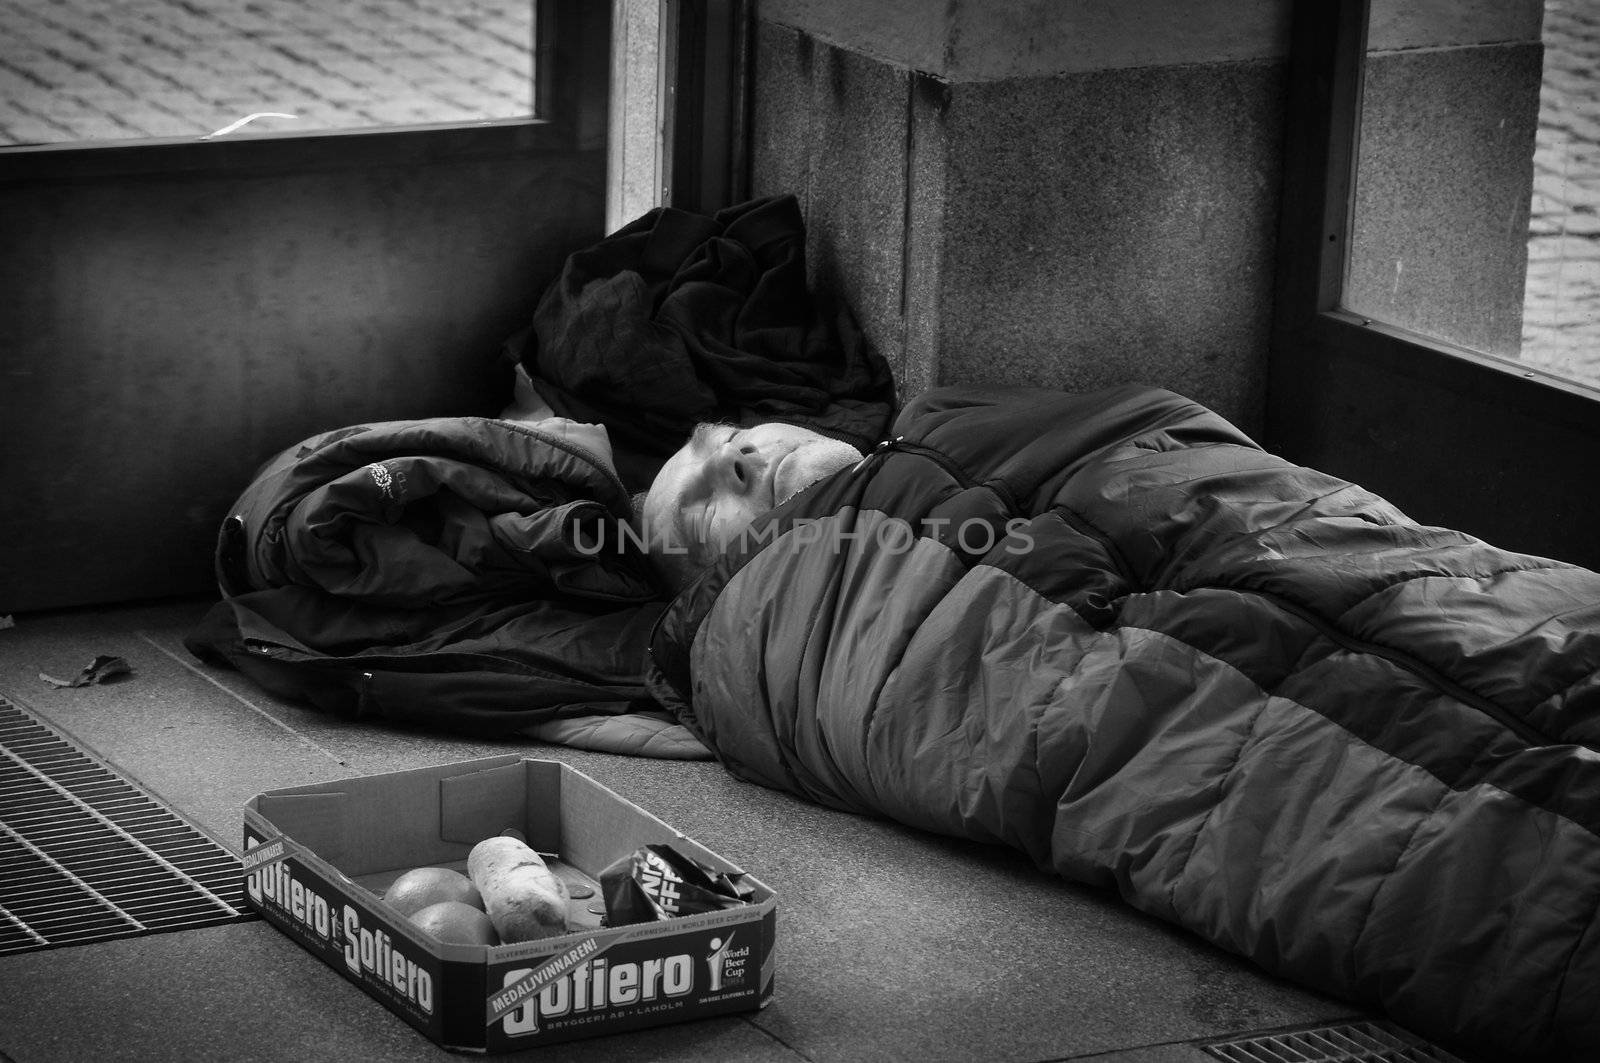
{"points": [[805, 465]]}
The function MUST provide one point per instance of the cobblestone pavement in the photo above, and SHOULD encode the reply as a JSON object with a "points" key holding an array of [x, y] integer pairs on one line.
{"points": [[113, 69], [1561, 307]]}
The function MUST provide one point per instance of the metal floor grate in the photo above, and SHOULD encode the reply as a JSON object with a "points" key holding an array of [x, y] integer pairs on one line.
{"points": [[86, 855], [1355, 1042]]}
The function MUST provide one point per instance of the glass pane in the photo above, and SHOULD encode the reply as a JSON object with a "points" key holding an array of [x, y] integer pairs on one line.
{"points": [[1561, 315], [1478, 177], [120, 69]]}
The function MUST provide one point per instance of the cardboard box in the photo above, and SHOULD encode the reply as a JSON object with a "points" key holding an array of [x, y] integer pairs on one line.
{"points": [[317, 858]]}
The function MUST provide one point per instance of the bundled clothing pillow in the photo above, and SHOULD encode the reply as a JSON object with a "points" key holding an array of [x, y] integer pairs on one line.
{"points": [[679, 318]]}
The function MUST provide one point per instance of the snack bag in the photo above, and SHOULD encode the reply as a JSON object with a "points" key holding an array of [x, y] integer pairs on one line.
{"points": [[658, 882]]}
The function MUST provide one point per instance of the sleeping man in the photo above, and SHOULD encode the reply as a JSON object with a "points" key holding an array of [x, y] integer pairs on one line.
{"points": [[722, 479], [1112, 632]]}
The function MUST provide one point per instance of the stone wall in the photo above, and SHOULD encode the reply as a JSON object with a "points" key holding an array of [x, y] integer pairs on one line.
{"points": [[1065, 195]]}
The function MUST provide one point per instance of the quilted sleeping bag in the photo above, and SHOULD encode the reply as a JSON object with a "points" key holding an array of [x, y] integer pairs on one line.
{"points": [[1112, 632]]}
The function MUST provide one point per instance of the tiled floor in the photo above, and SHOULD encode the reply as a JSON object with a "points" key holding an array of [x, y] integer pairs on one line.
{"points": [[891, 944]]}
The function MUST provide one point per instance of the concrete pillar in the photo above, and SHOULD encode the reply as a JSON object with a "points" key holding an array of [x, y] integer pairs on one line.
{"points": [[633, 149], [1069, 194]]}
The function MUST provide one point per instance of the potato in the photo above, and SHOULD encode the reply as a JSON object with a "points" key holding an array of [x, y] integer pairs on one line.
{"points": [[524, 899]]}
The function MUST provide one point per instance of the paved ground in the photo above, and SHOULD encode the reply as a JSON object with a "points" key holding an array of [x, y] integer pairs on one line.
{"points": [[110, 69]]}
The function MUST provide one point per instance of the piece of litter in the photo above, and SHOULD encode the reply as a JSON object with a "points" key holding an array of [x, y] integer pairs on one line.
{"points": [[98, 670], [7, 621], [231, 126]]}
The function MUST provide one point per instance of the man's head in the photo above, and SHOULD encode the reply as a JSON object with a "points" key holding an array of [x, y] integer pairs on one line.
{"points": [[724, 478]]}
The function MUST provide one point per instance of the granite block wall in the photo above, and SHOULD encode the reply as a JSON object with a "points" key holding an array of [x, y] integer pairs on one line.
{"points": [[1075, 230]]}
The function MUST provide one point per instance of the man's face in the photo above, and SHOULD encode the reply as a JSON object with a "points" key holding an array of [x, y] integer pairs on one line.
{"points": [[725, 477]]}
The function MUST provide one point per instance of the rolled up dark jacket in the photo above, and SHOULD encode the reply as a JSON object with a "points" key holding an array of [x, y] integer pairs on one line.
{"points": [[440, 572]]}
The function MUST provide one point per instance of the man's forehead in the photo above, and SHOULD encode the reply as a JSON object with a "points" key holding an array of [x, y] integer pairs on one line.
{"points": [[705, 435]]}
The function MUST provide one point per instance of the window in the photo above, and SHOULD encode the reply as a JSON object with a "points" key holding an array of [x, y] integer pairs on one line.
{"points": [[100, 70], [1412, 345], [177, 308]]}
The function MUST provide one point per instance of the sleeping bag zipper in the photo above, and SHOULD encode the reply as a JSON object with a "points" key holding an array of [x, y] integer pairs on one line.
{"points": [[1405, 661], [945, 462]]}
